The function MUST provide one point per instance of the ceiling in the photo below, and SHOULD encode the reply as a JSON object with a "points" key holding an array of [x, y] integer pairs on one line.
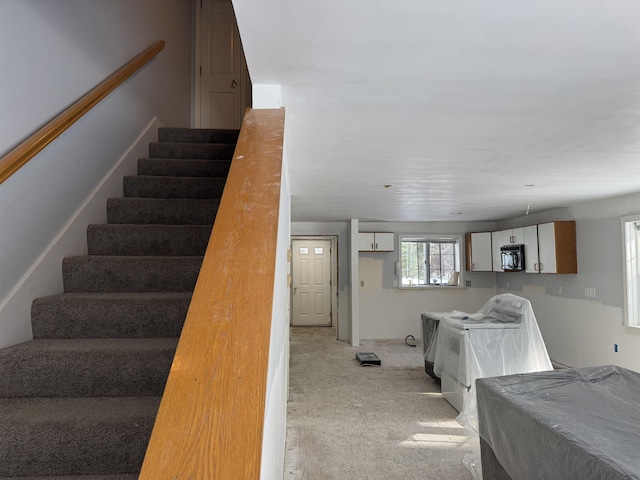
{"points": [[466, 110]]}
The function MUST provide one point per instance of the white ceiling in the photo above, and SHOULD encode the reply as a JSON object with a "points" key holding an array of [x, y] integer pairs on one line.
{"points": [[470, 110]]}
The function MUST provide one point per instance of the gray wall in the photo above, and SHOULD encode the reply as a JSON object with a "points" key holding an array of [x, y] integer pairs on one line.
{"points": [[51, 53]]}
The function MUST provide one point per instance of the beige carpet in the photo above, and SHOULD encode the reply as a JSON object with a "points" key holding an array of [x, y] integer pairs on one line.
{"points": [[346, 421]]}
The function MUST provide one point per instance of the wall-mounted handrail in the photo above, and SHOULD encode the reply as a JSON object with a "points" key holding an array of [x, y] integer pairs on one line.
{"points": [[16, 158], [211, 419]]}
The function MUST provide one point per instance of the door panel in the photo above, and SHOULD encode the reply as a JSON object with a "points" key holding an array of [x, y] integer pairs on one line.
{"points": [[224, 80], [311, 282]]}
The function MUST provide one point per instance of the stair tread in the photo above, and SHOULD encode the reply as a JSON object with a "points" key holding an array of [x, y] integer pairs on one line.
{"points": [[210, 135], [75, 436], [133, 296], [167, 211], [131, 476], [191, 150], [154, 186], [134, 273], [110, 314], [75, 409], [191, 167], [147, 239], [86, 367]]}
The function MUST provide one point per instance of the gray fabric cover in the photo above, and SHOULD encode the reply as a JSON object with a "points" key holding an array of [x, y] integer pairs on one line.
{"points": [[565, 424]]}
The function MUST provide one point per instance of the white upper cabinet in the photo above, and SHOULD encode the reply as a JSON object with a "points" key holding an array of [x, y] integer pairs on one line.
{"points": [[530, 240], [496, 243], [478, 249], [513, 236], [557, 247], [376, 242]]}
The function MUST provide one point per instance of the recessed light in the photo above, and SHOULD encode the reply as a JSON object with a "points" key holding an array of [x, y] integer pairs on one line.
{"points": [[456, 213], [529, 185]]}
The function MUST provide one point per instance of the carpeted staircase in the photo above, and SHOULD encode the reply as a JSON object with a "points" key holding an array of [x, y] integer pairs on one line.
{"points": [[79, 401]]}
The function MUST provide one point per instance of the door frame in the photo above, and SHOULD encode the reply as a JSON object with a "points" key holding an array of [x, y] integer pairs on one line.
{"points": [[333, 275], [195, 60]]}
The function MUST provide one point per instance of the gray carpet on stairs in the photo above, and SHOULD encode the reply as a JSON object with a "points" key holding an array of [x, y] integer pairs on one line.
{"points": [[79, 401]]}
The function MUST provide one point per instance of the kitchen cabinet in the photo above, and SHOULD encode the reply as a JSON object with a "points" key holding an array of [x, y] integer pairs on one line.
{"points": [[496, 243], [478, 252], [530, 240], [557, 247], [376, 242], [511, 236]]}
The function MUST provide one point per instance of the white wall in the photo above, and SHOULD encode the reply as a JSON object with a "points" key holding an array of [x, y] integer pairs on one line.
{"points": [[52, 52], [389, 312], [580, 331], [275, 427]]}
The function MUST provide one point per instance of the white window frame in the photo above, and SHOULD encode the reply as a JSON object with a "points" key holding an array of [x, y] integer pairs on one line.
{"points": [[459, 242], [631, 269]]}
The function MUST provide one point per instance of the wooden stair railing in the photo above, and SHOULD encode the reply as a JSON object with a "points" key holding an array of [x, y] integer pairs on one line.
{"points": [[29, 148], [211, 418]]}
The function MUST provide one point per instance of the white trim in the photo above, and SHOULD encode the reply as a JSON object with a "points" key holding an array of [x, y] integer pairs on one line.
{"points": [[630, 270], [334, 273]]}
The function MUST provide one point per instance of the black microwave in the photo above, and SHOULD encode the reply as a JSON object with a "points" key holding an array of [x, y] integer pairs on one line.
{"points": [[512, 258]]}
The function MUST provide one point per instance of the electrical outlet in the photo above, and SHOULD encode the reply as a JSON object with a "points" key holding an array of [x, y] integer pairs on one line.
{"points": [[590, 292], [467, 283], [559, 289], [395, 283]]}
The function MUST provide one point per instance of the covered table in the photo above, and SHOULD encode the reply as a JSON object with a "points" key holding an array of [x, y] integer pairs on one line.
{"points": [[565, 424]]}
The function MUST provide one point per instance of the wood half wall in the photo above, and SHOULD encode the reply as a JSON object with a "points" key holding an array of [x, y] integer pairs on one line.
{"points": [[211, 419]]}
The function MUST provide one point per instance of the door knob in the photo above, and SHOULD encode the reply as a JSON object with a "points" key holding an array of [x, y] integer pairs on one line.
{"points": [[234, 83]]}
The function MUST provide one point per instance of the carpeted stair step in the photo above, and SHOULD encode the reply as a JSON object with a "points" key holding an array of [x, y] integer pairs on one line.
{"points": [[192, 150], [128, 239], [162, 211], [183, 167], [110, 315], [125, 476], [149, 186], [74, 436], [103, 273], [111, 367], [200, 135]]}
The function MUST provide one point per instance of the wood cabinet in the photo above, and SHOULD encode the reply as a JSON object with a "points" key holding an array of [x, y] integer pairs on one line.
{"points": [[548, 248], [376, 242], [557, 247], [478, 252]]}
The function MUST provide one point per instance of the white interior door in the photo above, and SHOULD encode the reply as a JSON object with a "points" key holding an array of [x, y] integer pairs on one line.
{"points": [[224, 80], [311, 282]]}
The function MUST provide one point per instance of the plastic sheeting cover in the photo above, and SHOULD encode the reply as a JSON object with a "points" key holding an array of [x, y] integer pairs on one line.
{"points": [[502, 338], [577, 423]]}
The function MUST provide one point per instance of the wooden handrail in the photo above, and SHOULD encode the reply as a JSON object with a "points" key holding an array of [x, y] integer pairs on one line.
{"points": [[16, 158], [211, 418]]}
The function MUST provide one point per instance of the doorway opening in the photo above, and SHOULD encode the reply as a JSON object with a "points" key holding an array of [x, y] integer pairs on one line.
{"points": [[314, 281]]}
